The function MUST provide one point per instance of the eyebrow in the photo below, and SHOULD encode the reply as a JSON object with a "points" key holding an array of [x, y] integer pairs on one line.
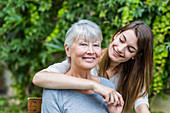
{"points": [[126, 40]]}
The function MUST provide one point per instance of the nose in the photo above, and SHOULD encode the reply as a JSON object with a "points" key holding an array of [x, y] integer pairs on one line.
{"points": [[90, 49], [121, 48]]}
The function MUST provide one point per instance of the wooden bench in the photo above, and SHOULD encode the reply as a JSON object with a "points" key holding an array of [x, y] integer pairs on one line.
{"points": [[34, 105]]}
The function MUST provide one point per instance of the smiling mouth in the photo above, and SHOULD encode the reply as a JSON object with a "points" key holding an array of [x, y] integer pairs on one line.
{"points": [[89, 59], [117, 54]]}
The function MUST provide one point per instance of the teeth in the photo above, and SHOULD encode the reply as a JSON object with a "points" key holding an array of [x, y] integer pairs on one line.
{"points": [[117, 53]]}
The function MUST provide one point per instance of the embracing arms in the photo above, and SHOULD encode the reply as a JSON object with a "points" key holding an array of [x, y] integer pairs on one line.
{"points": [[52, 78]]}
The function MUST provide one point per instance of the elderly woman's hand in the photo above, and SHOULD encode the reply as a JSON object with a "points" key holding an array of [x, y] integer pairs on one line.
{"points": [[115, 109], [110, 96]]}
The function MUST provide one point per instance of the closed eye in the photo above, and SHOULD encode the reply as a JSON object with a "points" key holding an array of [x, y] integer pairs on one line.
{"points": [[121, 40], [96, 45], [131, 49], [83, 44]]}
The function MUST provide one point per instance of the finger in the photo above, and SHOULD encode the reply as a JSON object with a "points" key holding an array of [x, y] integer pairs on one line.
{"points": [[116, 99], [111, 100], [106, 98], [120, 98]]}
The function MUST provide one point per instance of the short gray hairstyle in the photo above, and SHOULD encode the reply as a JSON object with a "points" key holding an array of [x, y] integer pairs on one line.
{"points": [[84, 29]]}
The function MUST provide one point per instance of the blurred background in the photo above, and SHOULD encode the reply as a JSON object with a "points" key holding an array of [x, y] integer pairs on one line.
{"points": [[32, 34]]}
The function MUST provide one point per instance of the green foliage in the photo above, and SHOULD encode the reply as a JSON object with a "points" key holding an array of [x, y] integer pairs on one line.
{"points": [[110, 15], [10, 106], [161, 25], [24, 26], [32, 33]]}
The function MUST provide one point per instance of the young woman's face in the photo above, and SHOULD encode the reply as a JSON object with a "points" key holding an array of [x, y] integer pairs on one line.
{"points": [[123, 47], [85, 54]]}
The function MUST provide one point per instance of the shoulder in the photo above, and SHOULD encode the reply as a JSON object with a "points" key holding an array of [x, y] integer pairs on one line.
{"points": [[55, 95], [61, 64], [51, 92], [58, 92], [142, 100], [62, 67], [107, 83], [51, 96]]}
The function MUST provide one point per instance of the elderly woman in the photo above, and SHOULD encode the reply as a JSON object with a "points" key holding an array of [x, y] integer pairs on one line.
{"points": [[83, 49]]}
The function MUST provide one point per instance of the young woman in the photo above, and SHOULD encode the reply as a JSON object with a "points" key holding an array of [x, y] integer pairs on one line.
{"points": [[83, 48], [127, 62]]}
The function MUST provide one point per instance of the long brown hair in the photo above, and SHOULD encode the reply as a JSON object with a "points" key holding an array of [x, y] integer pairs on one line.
{"points": [[135, 75]]}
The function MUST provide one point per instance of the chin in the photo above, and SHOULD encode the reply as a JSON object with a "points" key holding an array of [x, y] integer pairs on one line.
{"points": [[88, 67]]}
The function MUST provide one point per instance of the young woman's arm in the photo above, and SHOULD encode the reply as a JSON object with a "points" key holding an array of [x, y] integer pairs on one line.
{"points": [[48, 78], [142, 108], [142, 105], [52, 78]]}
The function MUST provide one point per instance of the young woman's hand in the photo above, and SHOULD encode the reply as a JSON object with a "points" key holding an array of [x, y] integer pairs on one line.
{"points": [[110, 96]]}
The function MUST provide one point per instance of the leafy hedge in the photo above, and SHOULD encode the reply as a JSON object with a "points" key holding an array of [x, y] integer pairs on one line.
{"points": [[24, 26], [32, 33]]}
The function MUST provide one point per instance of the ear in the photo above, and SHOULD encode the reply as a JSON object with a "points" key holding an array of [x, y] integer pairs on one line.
{"points": [[67, 49], [140, 54], [133, 58]]}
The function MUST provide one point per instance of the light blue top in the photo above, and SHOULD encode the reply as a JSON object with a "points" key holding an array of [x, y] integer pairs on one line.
{"points": [[71, 101]]}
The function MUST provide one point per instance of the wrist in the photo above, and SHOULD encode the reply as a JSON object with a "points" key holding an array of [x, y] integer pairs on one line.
{"points": [[94, 85]]}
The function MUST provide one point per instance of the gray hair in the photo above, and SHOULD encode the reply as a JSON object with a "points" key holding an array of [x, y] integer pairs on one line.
{"points": [[84, 29]]}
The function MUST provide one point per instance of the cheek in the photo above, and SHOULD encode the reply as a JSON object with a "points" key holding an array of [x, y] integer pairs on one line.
{"points": [[111, 46], [129, 55], [110, 50], [81, 52], [78, 51], [98, 52], [114, 43]]}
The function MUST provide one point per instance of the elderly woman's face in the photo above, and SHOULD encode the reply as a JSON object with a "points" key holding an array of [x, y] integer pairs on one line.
{"points": [[85, 54]]}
